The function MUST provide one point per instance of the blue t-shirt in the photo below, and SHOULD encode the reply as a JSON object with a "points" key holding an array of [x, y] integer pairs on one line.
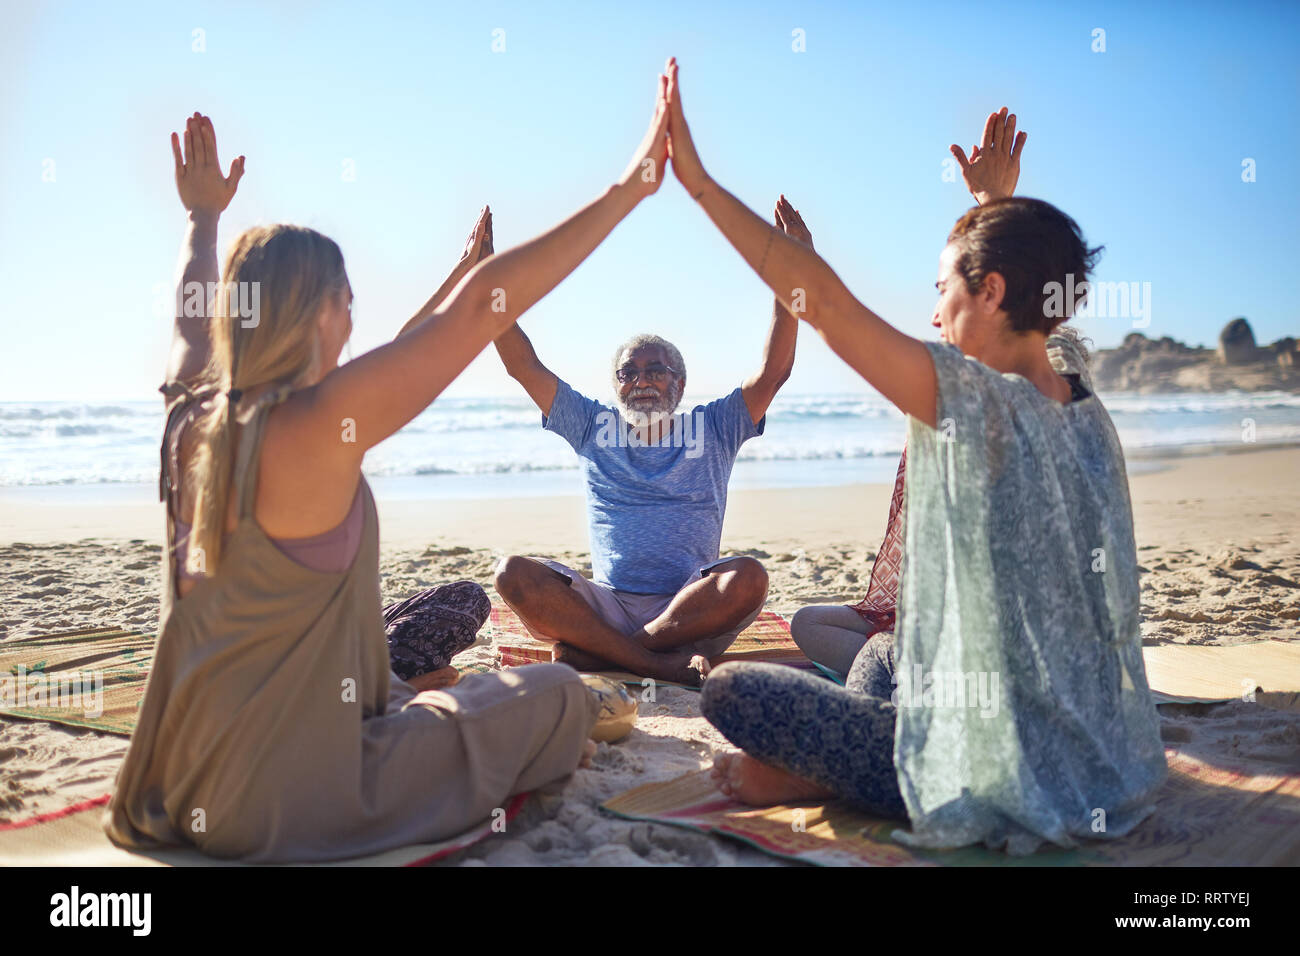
{"points": [[654, 512]]}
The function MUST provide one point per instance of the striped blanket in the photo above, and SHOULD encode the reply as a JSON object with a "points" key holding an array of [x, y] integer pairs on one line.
{"points": [[767, 639]]}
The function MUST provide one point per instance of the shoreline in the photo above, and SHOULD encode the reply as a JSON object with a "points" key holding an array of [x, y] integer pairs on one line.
{"points": [[782, 515]]}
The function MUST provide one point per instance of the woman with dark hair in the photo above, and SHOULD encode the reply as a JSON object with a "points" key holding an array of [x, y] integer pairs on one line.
{"points": [[832, 635], [1022, 712], [272, 727]]}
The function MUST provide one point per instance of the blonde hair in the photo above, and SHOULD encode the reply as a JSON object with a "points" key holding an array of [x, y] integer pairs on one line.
{"points": [[287, 274]]}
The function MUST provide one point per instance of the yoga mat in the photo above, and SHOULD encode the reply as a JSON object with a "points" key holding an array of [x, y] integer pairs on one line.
{"points": [[118, 658], [1208, 815], [1187, 672], [75, 837], [767, 639], [1176, 673], [121, 658], [1247, 814]]}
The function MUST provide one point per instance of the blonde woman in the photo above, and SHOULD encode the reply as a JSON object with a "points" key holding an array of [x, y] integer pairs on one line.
{"points": [[272, 728]]}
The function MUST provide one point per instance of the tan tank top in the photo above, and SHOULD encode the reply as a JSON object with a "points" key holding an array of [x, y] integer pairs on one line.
{"points": [[263, 729]]}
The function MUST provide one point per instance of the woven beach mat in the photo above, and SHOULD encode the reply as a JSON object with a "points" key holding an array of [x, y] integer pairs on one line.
{"points": [[1176, 673], [1206, 815], [1267, 672], [115, 660], [767, 639], [75, 837], [1209, 812]]}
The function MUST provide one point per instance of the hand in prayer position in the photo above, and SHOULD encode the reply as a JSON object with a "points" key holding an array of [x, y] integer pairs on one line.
{"points": [[479, 244], [788, 218], [646, 170], [686, 161]]}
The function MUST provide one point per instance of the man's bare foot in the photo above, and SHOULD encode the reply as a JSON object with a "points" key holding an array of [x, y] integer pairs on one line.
{"points": [[689, 669], [579, 659], [435, 680], [758, 784], [588, 752], [680, 667]]}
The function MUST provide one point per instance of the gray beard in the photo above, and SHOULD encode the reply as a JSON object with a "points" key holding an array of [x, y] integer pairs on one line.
{"points": [[663, 408]]}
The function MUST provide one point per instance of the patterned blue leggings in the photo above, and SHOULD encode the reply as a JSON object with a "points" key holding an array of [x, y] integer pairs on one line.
{"points": [[839, 737]]}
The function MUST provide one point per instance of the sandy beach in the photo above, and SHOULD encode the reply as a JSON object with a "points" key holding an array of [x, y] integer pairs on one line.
{"points": [[1216, 538]]}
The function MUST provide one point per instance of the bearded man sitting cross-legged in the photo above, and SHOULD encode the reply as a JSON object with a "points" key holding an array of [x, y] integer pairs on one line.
{"points": [[660, 602]]}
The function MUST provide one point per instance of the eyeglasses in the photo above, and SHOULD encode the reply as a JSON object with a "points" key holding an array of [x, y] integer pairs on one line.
{"points": [[654, 373]]}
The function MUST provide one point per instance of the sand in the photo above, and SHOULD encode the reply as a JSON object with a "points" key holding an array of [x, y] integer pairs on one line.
{"points": [[1216, 538]]}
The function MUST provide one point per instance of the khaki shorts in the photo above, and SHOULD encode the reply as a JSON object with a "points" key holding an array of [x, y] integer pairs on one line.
{"points": [[627, 613]]}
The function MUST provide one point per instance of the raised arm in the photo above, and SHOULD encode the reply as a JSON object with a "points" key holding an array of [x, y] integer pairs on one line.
{"points": [[205, 193], [897, 365], [778, 351], [477, 248], [513, 346], [994, 166], [523, 365], [384, 389]]}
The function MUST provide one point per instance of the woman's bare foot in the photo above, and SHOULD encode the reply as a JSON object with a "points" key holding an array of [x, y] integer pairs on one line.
{"points": [[435, 680], [758, 784], [588, 752]]}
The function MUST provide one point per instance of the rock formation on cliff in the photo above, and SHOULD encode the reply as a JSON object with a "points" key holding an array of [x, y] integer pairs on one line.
{"points": [[1164, 365], [1237, 343]]}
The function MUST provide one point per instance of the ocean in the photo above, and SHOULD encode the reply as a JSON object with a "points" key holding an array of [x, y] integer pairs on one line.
{"points": [[495, 447]]}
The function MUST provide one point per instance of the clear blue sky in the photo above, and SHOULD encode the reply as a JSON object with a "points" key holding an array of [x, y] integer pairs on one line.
{"points": [[1142, 144]]}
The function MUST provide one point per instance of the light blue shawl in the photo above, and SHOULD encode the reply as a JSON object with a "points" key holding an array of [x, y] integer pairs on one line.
{"points": [[1024, 713]]}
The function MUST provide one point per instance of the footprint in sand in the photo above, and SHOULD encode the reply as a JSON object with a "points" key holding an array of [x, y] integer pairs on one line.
{"points": [[1278, 580], [47, 593], [1172, 733]]}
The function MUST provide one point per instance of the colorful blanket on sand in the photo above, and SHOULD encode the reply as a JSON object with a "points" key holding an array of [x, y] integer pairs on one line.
{"points": [[767, 639], [880, 607], [1206, 815], [75, 837], [121, 659], [92, 677]]}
